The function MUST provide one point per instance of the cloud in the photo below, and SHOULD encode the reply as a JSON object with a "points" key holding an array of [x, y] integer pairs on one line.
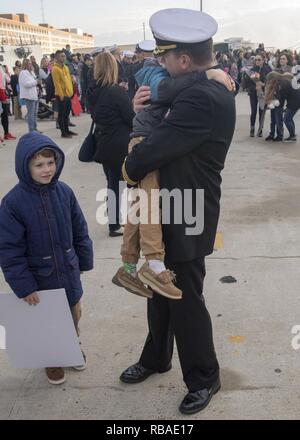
{"points": [[276, 26]]}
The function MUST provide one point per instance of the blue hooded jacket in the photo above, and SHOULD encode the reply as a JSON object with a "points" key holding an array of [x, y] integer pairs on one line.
{"points": [[151, 75], [44, 241]]}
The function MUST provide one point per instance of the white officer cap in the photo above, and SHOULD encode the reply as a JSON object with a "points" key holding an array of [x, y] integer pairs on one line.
{"points": [[112, 48], [176, 28], [96, 51], [128, 54], [146, 46]]}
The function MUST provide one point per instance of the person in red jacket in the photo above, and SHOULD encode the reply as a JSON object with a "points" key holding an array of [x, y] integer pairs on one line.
{"points": [[4, 102]]}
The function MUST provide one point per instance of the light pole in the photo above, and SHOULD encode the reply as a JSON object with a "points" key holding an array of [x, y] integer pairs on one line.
{"points": [[43, 10], [144, 31], [201, 6]]}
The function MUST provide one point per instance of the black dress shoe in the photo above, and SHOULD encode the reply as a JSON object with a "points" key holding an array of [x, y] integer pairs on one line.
{"points": [[71, 124], [72, 133], [197, 401], [118, 233], [137, 373]]}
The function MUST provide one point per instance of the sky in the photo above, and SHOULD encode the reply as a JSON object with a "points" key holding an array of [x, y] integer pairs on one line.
{"points": [[274, 22]]}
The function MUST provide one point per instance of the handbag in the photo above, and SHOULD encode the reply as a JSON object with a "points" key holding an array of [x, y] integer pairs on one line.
{"points": [[88, 148], [76, 107]]}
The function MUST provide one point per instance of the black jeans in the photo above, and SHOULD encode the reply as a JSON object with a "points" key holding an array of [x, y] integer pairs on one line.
{"points": [[113, 203], [4, 118], [289, 121], [254, 104], [64, 109], [189, 321]]}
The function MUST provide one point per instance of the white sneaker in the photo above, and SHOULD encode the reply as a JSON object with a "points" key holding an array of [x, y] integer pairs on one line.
{"points": [[81, 367]]}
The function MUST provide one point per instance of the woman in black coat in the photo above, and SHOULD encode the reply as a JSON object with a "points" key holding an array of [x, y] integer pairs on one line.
{"points": [[254, 81], [112, 113]]}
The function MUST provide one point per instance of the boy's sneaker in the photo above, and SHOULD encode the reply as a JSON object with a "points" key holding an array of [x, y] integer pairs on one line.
{"points": [[278, 139], [131, 283], [55, 376], [161, 283], [290, 139], [83, 366]]}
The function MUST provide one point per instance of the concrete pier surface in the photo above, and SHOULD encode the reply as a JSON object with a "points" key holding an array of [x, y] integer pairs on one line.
{"points": [[253, 318]]}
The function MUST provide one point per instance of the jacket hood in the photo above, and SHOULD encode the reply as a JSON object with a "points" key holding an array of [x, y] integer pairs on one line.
{"points": [[151, 75], [27, 147]]}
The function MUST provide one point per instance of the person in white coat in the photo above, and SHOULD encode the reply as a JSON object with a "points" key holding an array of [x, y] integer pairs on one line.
{"points": [[28, 91]]}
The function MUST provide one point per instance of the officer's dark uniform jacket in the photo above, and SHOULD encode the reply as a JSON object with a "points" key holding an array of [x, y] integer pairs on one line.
{"points": [[189, 148]]}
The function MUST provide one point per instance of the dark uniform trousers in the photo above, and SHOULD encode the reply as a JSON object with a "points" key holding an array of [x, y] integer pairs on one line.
{"points": [[189, 321]]}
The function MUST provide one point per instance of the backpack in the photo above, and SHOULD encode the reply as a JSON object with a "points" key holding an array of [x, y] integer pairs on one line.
{"points": [[50, 89]]}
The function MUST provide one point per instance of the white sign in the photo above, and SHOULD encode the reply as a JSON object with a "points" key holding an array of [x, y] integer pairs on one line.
{"points": [[39, 336]]}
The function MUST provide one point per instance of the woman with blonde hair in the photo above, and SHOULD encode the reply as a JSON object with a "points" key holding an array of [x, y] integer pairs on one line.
{"points": [[29, 93], [112, 113]]}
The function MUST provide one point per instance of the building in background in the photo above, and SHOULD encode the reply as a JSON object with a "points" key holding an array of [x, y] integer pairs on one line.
{"points": [[15, 30], [232, 44]]}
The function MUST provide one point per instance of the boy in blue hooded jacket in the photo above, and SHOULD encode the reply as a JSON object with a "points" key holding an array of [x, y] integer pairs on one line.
{"points": [[44, 241]]}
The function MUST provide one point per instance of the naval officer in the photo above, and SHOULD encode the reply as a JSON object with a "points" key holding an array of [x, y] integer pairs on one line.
{"points": [[189, 148]]}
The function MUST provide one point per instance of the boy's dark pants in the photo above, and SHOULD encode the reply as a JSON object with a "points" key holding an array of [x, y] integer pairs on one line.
{"points": [[189, 321]]}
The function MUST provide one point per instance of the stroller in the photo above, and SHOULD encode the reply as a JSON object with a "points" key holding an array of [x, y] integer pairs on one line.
{"points": [[44, 110]]}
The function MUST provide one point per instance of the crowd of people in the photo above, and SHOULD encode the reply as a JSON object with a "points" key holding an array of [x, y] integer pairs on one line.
{"points": [[268, 79], [64, 77]]}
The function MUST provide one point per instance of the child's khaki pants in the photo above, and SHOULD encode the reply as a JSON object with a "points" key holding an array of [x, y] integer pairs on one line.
{"points": [[145, 237]]}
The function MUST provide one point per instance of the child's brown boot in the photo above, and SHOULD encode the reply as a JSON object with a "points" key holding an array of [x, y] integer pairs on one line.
{"points": [[131, 283], [161, 283]]}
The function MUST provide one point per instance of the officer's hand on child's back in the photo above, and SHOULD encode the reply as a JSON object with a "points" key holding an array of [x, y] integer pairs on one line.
{"points": [[32, 299]]}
